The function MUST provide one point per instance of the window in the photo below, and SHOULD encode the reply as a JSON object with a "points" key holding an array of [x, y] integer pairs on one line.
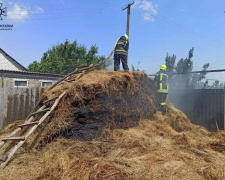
{"points": [[20, 83], [46, 83]]}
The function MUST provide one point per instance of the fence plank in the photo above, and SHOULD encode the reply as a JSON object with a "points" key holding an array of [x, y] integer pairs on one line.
{"points": [[1, 107], [204, 107], [16, 103]]}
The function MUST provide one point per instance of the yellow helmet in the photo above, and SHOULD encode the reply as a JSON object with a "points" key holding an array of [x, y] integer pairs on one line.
{"points": [[126, 36], [163, 67]]}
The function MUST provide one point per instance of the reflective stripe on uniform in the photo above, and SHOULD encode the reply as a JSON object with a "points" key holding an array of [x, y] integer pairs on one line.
{"points": [[121, 43], [120, 50], [160, 86], [163, 86], [161, 77], [162, 91]]}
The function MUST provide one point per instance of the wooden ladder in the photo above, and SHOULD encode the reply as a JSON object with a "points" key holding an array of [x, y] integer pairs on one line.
{"points": [[43, 109], [28, 123], [33, 124]]}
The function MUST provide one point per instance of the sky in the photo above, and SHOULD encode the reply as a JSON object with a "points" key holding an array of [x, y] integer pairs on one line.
{"points": [[156, 27]]}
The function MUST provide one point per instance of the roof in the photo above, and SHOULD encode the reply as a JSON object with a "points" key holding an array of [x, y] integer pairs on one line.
{"points": [[29, 75], [25, 69]]}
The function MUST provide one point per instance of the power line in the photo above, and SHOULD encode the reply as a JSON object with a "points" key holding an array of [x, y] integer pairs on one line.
{"points": [[37, 13], [190, 31], [26, 4], [106, 4], [194, 72], [178, 29], [62, 9], [50, 18], [41, 19], [44, 13], [191, 34], [216, 65], [53, 18]]}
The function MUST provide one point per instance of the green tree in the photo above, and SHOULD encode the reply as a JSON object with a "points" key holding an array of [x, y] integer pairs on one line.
{"points": [[65, 57], [133, 68], [197, 78], [214, 85], [136, 69], [184, 65], [170, 63], [34, 66]]}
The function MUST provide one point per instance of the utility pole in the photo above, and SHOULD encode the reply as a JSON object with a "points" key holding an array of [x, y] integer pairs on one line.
{"points": [[128, 21], [224, 108]]}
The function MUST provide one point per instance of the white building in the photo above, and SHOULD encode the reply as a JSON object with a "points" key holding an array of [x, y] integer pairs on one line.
{"points": [[13, 74]]}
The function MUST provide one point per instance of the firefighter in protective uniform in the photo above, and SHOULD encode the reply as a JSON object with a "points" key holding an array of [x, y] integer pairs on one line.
{"points": [[162, 87], [120, 53]]}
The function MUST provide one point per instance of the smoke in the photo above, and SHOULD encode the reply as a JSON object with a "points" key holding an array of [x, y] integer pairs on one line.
{"points": [[109, 65], [203, 104]]}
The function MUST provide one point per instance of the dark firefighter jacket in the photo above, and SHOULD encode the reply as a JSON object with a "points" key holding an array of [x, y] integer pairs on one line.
{"points": [[161, 79], [122, 46]]}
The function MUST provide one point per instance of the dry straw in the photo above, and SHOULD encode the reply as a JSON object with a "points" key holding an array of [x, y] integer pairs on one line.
{"points": [[147, 145]]}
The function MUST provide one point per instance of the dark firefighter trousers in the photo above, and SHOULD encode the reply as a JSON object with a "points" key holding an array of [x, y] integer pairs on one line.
{"points": [[117, 58], [162, 101]]}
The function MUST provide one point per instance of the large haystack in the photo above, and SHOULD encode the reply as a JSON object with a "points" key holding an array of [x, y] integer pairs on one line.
{"points": [[99, 100], [108, 127]]}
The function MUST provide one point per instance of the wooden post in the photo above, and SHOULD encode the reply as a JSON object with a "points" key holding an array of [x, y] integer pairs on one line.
{"points": [[224, 107], [128, 22], [128, 27]]}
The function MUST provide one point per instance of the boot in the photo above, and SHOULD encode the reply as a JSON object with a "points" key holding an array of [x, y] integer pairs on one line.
{"points": [[127, 71]]}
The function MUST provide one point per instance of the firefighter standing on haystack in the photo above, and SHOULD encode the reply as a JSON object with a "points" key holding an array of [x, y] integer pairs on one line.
{"points": [[120, 53], [162, 87]]}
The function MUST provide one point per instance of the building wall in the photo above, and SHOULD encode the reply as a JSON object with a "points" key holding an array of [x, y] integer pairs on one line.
{"points": [[16, 103], [1, 82], [32, 83], [6, 63]]}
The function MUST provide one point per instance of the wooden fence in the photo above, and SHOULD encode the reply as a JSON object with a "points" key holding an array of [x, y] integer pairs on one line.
{"points": [[16, 103], [204, 107]]}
